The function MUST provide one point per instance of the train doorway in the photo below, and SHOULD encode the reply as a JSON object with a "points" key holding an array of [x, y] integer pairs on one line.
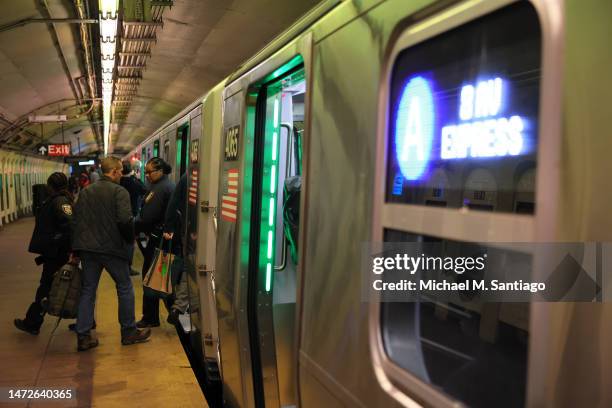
{"points": [[273, 255]]}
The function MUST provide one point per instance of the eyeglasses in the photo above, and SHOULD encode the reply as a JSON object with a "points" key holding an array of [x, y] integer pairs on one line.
{"points": [[151, 171]]}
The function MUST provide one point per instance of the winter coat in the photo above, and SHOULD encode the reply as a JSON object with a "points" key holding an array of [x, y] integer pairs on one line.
{"points": [[103, 220]]}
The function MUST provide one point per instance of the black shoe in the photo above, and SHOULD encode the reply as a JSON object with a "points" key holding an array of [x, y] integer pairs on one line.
{"points": [[86, 342], [173, 317], [134, 272], [72, 326], [23, 326], [143, 324], [138, 336]]}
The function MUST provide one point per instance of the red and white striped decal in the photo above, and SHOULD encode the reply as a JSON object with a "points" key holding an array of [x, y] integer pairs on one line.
{"points": [[229, 202], [193, 188]]}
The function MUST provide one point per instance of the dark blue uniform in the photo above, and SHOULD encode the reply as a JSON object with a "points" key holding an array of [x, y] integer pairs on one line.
{"points": [[151, 222], [51, 240]]}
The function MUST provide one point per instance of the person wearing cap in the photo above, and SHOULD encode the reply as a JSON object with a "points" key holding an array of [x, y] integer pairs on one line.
{"points": [[50, 240]]}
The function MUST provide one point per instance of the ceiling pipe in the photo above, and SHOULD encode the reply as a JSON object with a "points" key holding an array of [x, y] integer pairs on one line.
{"points": [[9, 124], [22, 121], [45, 12], [27, 21]]}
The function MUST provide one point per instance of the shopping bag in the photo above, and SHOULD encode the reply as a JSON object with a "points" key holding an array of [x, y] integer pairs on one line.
{"points": [[157, 281]]}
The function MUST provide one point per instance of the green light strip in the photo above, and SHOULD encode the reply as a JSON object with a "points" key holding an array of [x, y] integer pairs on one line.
{"points": [[274, 140], [275, 113], [271, 215], [273, 180], [268, 277], [272, 208], [270, 238]]}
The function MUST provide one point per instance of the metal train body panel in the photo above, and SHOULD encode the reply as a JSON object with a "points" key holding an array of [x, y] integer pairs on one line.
{"points": [[208, 221], [325, 346]]}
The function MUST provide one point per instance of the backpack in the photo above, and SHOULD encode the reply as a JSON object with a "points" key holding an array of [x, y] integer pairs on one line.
{"points": [[65, 292]]}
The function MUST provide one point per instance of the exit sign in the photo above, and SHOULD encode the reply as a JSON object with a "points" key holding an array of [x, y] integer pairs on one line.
{"points": [[60, 149]]}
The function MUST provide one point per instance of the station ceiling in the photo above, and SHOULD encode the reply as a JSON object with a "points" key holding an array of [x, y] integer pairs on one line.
{"points": [[53, 68]]}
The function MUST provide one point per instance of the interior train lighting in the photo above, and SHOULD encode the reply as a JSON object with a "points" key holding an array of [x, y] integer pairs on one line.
{"points": [[273, 196], [108, 45]]}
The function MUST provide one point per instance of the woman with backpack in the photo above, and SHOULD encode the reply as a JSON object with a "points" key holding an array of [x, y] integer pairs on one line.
{"points": [[51, 241]]}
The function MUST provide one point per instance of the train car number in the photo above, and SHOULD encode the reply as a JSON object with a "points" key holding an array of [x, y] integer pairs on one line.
{"points": [[231, 143]]}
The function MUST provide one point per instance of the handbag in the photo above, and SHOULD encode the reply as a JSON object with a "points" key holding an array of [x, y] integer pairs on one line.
{"points": [[157, 281]]}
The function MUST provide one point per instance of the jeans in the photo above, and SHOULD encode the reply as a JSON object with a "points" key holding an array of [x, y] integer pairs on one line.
{"points": [[119, 270], [131, 254]]}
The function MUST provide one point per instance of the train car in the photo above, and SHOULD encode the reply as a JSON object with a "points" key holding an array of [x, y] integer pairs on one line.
{"points": [[354, 127], [18, 173]]}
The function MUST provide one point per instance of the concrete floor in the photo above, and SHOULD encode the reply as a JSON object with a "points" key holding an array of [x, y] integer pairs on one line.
{"points": [[153, 374]]}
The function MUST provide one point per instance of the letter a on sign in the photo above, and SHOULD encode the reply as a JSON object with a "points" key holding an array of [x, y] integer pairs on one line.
{"points": [[413, 137], [414, 128]]}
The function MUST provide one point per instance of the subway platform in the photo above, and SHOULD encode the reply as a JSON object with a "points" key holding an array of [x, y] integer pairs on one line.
{"points": [[152, 374]]}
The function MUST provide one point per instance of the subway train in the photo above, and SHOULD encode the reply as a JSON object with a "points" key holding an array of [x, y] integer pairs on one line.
{"points": [[371, 121], [18, 173]]}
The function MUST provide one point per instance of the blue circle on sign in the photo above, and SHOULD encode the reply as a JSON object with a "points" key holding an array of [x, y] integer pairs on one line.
{"points": [[414, 127]]}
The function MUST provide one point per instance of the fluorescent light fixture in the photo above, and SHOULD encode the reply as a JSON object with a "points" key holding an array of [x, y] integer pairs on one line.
{"points": [[109, 6], [108, 64], [108, 28], [46, 118], [108, 46], [87, 163]]}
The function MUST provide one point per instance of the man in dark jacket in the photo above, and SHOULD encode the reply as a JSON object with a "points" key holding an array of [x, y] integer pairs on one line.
{"points": [[135, 187], [103, 231], [51, 240], [137, 190]]}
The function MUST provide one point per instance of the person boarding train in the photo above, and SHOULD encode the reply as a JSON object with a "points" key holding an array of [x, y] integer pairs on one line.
{"points": [[137, 190], [174, 224], [151, 222]]}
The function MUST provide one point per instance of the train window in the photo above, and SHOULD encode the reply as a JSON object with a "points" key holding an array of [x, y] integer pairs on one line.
{"points": [[472, 350], [167, 149], [462, 133], [156, 148], [463, 100], [182, 142]]}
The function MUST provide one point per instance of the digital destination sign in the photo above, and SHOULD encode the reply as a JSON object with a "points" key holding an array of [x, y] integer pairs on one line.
{"points": [[464, 115]]}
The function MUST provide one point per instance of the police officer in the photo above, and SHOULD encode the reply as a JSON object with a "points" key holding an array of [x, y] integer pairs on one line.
{"points": [[151, 222], [51, 240]]}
